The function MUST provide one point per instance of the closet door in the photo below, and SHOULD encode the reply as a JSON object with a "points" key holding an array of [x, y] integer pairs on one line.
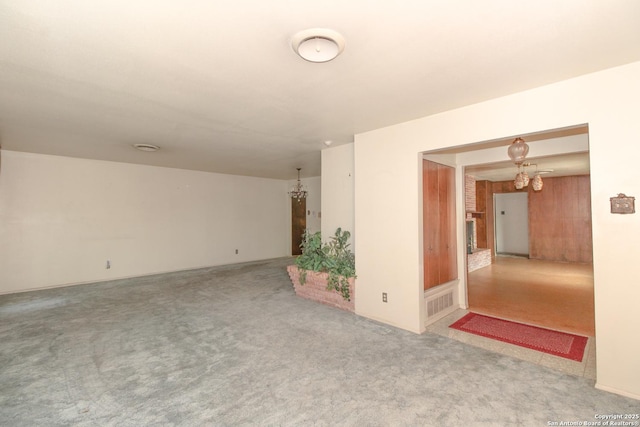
{"points": [[439, 224], [447, 205], [431, 224]]}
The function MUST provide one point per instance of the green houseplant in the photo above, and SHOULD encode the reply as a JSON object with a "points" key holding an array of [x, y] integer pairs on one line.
{"points": [[333, 257]]}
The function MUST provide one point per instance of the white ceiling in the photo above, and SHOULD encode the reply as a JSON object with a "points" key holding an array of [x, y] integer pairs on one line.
{"points": [[217, 86]]}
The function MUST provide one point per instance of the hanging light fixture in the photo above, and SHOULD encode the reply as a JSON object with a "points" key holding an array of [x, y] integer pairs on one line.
{"points": [[298, 192], [518, 150], [536, 182], [519, 181], [522, 177], [525, 175]]}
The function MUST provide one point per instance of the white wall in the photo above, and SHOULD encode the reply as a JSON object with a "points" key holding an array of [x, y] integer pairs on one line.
{"points": [[338, 191], [62, 218], [512, 223], [387, 188]]}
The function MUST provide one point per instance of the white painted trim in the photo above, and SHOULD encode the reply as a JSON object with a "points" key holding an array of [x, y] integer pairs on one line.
{"points": [[616, 391]]}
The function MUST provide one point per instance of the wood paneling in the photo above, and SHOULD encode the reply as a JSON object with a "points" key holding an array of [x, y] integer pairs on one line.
{"points": [[439, 236], [482, 188], [559, 218], [298, 224]]}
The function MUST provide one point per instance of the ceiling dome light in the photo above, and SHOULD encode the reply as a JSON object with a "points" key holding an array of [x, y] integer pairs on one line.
{"points": [[146, 147], [318, 44]]}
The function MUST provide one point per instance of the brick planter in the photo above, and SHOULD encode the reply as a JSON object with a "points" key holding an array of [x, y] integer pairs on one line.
{"points": [[315, 288]]}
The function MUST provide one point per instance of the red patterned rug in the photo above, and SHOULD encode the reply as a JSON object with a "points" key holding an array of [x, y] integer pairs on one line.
{"points": [[557, 343]]}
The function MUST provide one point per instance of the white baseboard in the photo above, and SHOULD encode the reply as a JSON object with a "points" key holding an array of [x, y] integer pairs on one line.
{"points": [[616, 391]]}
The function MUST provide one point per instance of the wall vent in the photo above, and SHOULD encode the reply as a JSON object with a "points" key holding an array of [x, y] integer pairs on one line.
{"points": [[437, 304]]}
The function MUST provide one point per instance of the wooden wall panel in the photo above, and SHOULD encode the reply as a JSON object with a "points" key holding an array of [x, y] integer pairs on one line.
{"points": [[559, 218], [449, 270], [481, 219], [439, 231], [431, 223], [489, 221], [298, 224], [583, 219]]}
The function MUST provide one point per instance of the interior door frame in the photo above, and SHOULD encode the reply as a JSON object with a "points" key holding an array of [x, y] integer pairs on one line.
{"points": [[497, 215], [298, 223]]}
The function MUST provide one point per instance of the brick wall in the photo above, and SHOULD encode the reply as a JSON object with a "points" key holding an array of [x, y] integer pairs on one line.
{"points": [[469, 193], [478, 259], [470, 204], [315, 288]]}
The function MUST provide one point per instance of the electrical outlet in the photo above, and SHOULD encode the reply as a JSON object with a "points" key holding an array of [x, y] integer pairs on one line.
{"points": [[108, 265], [384, 297]]}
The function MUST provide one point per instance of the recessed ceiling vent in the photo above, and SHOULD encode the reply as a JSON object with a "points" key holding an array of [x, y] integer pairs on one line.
{"points": [[146, 147]]}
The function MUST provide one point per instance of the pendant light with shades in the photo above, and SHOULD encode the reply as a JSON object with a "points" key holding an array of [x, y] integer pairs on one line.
{"points": [[517, 152]]}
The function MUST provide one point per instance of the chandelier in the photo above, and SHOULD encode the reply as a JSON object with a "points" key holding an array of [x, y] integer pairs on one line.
{"points": [[518, 151], [298, 192]]}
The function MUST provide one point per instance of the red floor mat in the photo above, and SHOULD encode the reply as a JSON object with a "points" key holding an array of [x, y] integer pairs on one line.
{"points": [[557, 343]]}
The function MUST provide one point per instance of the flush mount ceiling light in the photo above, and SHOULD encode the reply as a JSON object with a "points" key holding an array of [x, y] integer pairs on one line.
{"points": [[318, 44], [146, 147]]}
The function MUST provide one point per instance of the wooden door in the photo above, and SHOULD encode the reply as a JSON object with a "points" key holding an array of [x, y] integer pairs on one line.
{"points": [[439, 231], [431, 224], [447, 192], [298, 224]]}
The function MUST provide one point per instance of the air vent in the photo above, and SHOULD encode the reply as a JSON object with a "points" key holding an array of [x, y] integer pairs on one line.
{"points": [[437, 304]]}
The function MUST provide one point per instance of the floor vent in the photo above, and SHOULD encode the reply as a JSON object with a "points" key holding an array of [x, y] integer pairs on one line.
{"points": [[439, 303]]}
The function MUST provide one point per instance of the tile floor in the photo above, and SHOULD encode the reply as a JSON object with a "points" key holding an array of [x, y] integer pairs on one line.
{"points": [[586, 368]]}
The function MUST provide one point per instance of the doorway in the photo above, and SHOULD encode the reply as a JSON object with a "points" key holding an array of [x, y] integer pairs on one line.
{"points": [[550, 281], [548, 294], [298, 224], [512, 224]]}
